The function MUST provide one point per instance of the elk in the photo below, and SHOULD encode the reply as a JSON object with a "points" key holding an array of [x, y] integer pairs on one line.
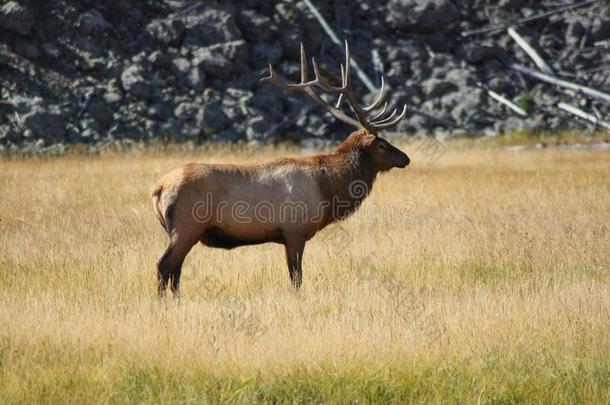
{"points": [[285, 200]]}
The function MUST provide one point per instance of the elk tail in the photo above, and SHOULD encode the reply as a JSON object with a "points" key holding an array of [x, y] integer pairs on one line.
{"points": [[156, 199]]}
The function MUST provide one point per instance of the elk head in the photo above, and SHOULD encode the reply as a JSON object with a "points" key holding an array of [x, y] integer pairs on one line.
{"points": [[368, 119]]}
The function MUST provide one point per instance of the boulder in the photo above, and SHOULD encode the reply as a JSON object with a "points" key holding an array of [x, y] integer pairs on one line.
{"points": [[313, 124], [531, 124], [422, 16], [434, 88], [195, 79], [210, 118], [461, 77], [51, 51], [43, 124], [181, 65], [158, 59], [167, 32], [479, 53], [112, 92], [264, 53], [600, 30], [92, 22], [501, 85], [257, 129], [210, 26], [469, 104], [158, 111], [213, 63], [255, 27], [27, 48], [405, 50], [101, 113], [134, 83], [126, 131], [270, 100], [16, 18], [222, 60]]}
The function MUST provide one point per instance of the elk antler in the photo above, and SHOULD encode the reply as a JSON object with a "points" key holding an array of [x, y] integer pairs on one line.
{"points": [[376, 122]]}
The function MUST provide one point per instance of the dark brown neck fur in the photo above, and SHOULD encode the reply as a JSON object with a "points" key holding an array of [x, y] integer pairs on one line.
{"points": [[346, 178]]}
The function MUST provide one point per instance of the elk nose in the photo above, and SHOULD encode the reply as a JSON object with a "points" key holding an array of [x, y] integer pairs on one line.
{"points": [[405, 162]]}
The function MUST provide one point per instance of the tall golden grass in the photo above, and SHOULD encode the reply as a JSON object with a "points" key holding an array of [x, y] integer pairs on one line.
{"points": [[480, 276]]}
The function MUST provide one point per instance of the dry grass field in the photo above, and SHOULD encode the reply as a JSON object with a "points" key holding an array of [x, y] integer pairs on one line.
{"points": [[481, 276]]}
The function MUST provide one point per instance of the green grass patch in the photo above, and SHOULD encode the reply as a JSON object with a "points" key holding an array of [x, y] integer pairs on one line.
{"points": [[492, 378]]}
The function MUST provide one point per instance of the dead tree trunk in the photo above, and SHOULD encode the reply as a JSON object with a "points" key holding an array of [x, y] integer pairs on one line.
{"points": [[583, 115], [588, 91]]}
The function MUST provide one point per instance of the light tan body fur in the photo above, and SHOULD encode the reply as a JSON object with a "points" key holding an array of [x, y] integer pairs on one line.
{"points": [[238, 194]]}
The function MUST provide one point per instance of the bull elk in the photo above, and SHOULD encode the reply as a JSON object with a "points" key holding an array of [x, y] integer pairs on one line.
{"points": [[285, 200]]}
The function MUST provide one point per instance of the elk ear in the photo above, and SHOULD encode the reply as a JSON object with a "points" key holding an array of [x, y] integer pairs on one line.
{"points": [[368, 140]]}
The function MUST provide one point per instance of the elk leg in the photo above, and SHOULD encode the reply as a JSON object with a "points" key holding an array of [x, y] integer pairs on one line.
{"points": [[164, 269], [175, 280], [294, 257], [169, 266]]}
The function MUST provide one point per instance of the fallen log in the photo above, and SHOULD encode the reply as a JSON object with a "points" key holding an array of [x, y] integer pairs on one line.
{"points": [[500, 28], [583, 115], [588, 91], [503, 100], [531, 52]]}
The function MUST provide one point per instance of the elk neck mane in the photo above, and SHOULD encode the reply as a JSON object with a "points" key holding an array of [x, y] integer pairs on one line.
{"points": [[346, 177]]}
